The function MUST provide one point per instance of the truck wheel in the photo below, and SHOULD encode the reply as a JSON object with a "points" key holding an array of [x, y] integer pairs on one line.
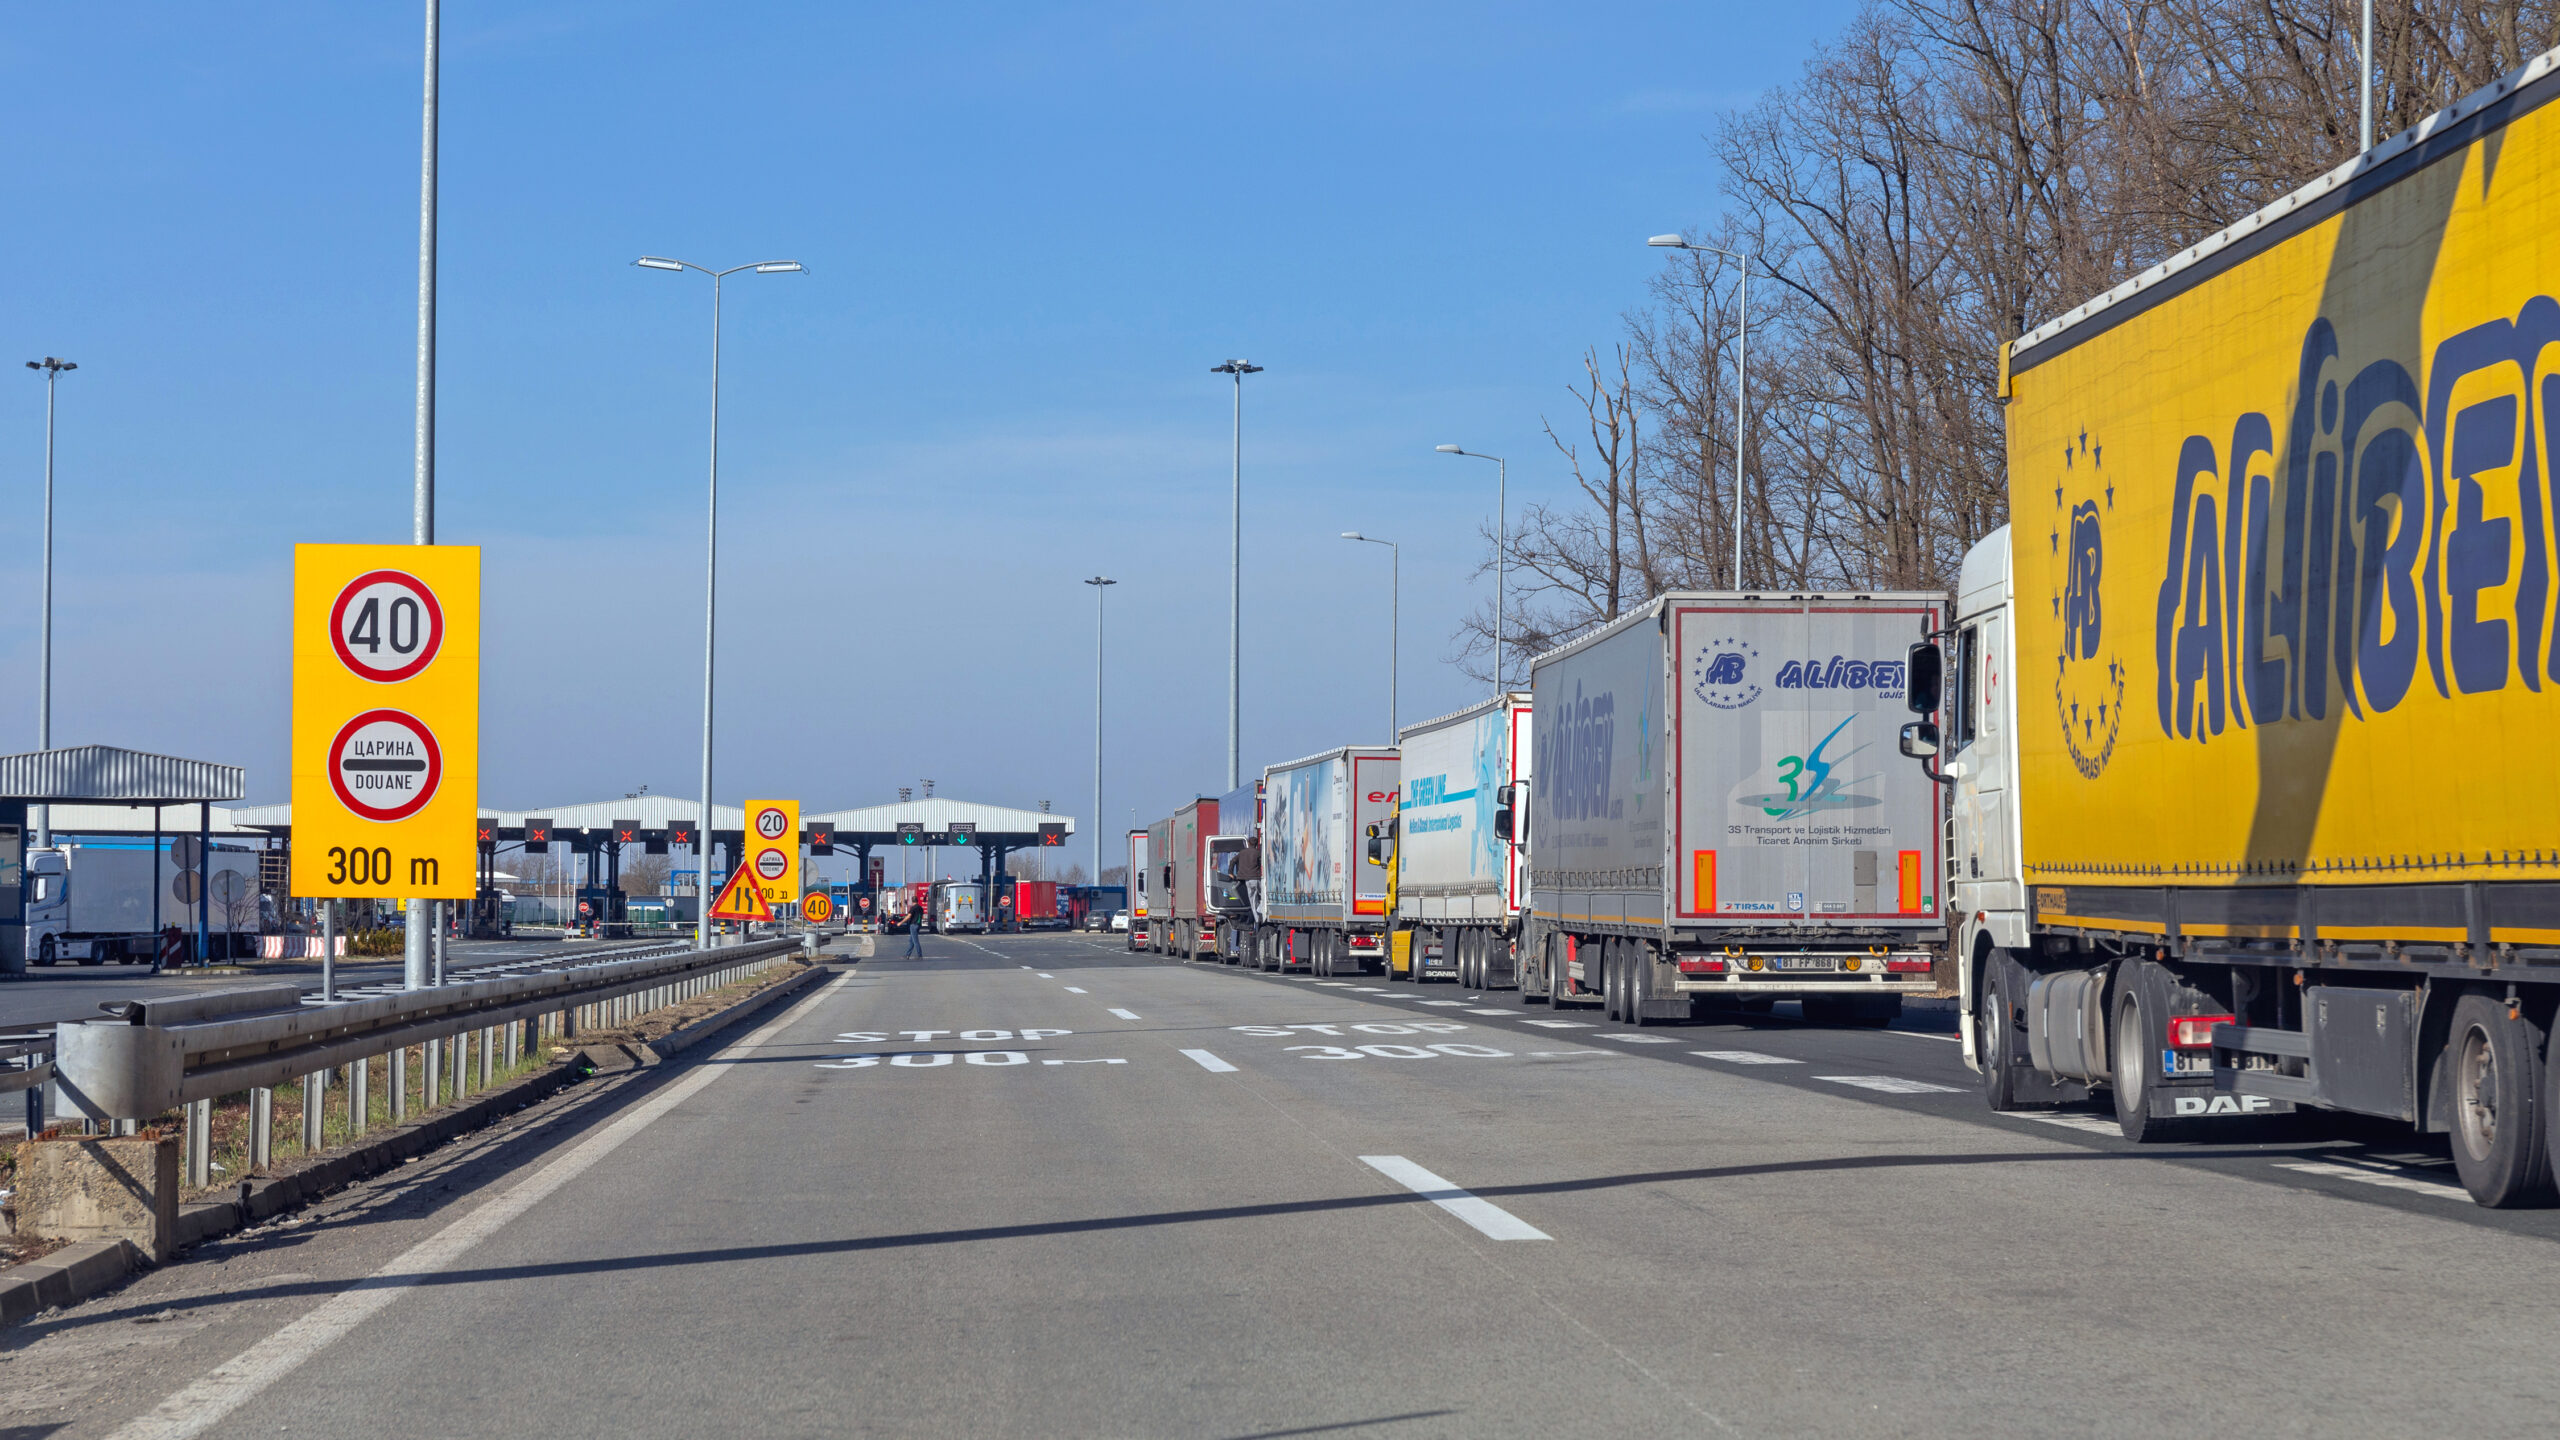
{"points": [[1637, 960], [2130, 1044], [1551, 963], [92, 957], [1991, 1038], [1613, 977], [2494, 1061]]}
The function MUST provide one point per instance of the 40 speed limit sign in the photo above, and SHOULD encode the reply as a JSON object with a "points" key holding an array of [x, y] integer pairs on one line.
{"points": [[386, 721]]}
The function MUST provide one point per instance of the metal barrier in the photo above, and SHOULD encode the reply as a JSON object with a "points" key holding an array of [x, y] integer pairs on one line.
{"points": [[154, 1055], [26, 1063]]}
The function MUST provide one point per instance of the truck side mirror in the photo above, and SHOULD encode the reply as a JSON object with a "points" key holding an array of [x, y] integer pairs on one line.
{"points": [[1919, 740], [1502, 818], [1922, 687], [1377, 847]]}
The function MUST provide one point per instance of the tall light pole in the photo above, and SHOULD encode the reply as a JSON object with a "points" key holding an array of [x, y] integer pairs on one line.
{"points": [[1099, 584], [1235, 580], [419, 934], [711, 555], [1741, 377], [1501, 546], [2364, 84], [1395, 603], [52, 369]]}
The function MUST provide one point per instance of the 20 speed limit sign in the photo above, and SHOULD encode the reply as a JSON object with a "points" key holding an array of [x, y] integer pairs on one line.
{"points": [[773, 851], [386, 721]]}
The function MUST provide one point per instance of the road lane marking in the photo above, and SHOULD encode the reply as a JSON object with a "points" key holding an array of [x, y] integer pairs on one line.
{"points": [[1209, 1062], [1489, 1219], [1560, 1024], [1889, 1084], [1440, 1002], [1343, 984], [205, 1402], [1367, 990], [1126, 1014], [1926, 1035], [1493, 1012], [1043, 974], [1084, 1062], [2090, 1123], [1075, 990], [1635, 1039], [1552, 1054], [1744, 1057], [2388, 1179]]}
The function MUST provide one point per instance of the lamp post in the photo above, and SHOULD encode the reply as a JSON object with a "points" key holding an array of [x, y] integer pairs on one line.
{"points": [[1395, 591], [420, 924], [2364, 84], [1235, 579], [52, 368], [711, 553], [1501, 546], [1741, 377], [1099, 584]]}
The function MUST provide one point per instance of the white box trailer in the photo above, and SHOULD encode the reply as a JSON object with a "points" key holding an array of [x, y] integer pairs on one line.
{"points": [[1139, 889], [1721, 815], [1458, 873], [960, 906], [92, 902], [1324, 900]]}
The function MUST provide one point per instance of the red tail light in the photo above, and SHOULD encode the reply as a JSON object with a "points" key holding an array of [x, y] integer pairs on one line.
{"points": [[1909, 967], [2195, 1032], [1700, 965]]}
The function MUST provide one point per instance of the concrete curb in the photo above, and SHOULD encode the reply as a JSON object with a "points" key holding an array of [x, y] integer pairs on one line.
{"points": [[76, 1272]]}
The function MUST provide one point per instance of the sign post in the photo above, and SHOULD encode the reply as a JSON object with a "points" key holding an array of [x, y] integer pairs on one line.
{"points": [[386, 721]]}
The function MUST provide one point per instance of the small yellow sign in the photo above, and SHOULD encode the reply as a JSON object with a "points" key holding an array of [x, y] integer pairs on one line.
{"points": [[386, 721], [773, 852], [818, 907]]}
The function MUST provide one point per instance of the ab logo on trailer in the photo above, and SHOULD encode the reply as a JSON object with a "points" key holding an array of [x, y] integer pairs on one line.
{"points": [[2088, 684]]}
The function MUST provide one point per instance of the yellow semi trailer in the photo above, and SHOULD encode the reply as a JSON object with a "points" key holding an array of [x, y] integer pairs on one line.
{"points": [[2251, 715]]}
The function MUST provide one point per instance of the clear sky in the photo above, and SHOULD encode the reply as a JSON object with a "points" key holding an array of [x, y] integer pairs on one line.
{"points": [[1030, 231]]}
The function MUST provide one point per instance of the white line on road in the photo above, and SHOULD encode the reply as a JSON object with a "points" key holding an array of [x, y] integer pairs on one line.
{"points": [[1126, 1014], [2089, 1123], [1889, 1084], [1552, 1054], [1744, 1057], [1490, 1219], [1493, 1012], [1075, 990], [1441, 1002], [1209, 1062], [1926, 1035], [2388, 1179], [1636, 1039], [1339, 984], [1367, 990], [1560, 1024], [1043, 974], [203, 1404], [1084, 1062]]}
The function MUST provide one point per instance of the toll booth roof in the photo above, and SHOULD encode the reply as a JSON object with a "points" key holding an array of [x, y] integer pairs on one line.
{"points": [[107, 775]]}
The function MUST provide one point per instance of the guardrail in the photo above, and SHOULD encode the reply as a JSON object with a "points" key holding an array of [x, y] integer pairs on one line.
{"points": [[153, 1055], [26, 1063]]}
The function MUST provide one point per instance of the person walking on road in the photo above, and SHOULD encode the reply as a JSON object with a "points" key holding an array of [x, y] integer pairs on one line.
{"points": [[915, 938]]}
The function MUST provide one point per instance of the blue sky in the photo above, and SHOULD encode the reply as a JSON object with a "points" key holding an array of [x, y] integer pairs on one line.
{"points": [[1031, 230]]}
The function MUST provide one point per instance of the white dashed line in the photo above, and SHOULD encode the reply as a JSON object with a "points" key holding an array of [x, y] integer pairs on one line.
{"points": [[2089, 1123], [1075, 990], [1560, 1024], [1045, 975], [1126, 1014], [1744, 1057], [1493, 1012], [1084, 1062], [1889, 1084], [1489, 1219], [1209, 1062], [1636, 1039], [2388, 1179], [1341, 984], [1440, 1002], [1367, 990]]}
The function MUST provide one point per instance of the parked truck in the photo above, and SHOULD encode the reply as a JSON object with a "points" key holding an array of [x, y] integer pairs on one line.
{"points": [[959, 907], [1235, 875], [1191, 923], [1141, 884], [1324, 897], [1160, 911], [2254, 760], [93, 901], [1718, 816], [1035, 905], [1458, 872]]}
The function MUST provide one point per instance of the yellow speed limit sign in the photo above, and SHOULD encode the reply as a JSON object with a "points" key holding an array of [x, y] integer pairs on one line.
{"points": [[773, 852], [386, 721], [818, 908]]}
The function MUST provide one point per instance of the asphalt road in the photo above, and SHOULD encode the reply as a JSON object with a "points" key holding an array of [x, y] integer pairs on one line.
{"points": [[1036, 1186]]}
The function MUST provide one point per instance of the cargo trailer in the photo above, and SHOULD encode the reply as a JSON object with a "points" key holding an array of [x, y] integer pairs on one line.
{"points": [[1324, 897], [1458, 871]]}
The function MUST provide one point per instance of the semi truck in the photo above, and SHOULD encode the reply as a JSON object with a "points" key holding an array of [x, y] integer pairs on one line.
{"points": [[1457, 871], [2252, 758], [1160, 877], [1192, 915], [1324, 897], [1719, 817], [1140, 885], [92, 902], [1035, 905], [959, 907], [1235, 876]]}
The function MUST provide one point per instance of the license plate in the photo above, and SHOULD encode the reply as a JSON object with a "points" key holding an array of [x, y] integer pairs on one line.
{"points": [[1807, 962], [2186, 1062]]}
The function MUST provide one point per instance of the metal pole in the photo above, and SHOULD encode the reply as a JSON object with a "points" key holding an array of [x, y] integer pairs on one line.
{"points": [[1395, 629], [423, 498], [2364, 83], [1235, 597], [328, 949], [44, 644], [1741, 377], [710, 630], [1501, 559], [1099, 584]]}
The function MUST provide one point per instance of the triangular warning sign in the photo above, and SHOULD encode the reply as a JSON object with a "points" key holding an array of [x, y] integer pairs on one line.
{"points": [[740, 899]]}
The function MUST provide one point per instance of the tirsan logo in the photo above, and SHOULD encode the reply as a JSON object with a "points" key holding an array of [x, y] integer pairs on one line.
{"points": [[1574, 755], [1719, 673], [2088, 683], [2399, 537], [1885, 677]]}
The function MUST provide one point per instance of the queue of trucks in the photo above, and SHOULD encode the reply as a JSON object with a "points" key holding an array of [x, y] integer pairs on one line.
{"points": [[2227, 778]]}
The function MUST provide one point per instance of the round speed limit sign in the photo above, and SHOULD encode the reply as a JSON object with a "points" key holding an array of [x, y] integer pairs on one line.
{"points": [[386, 625], [771, 822]]}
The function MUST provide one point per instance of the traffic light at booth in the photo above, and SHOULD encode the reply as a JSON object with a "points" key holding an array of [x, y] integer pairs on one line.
{"points": [[910, 833], [1053, 833]]}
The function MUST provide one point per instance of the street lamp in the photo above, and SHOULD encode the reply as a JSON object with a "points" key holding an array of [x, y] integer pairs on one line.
{"points": [[1741, 378], [1501, 546], [1099, 584], [52, 369], [711, 557], [1235, 579], [1395, 590]]}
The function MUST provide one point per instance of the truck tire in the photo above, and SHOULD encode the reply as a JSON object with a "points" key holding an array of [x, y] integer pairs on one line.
{"points": [[1992, 1038], [2132, 1040], [1637, 960], [1466, 946], [1551, 964], [44, 951], [1613, 980], [2493, 1063]]}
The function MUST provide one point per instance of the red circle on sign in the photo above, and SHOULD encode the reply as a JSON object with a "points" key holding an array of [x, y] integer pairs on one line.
{"points": [[385, 626], [394, 747], [771, 864], [770, 823]]}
